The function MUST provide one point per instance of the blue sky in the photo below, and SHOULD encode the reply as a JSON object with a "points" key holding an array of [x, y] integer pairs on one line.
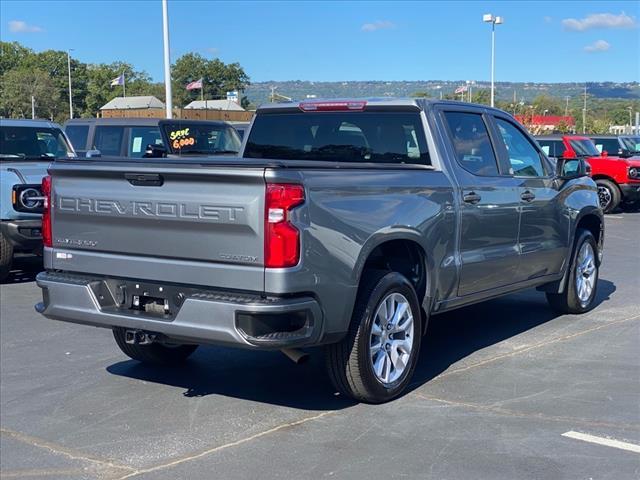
{"points": [[557, 41]]}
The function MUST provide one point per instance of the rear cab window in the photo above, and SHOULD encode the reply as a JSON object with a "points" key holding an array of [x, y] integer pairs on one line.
{"points": [[471, 142], [551, 147], [395, 137], [187, 138]]}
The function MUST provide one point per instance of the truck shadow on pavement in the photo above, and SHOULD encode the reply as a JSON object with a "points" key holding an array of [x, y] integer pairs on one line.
{"points": [[269, 377], [24, 269]]}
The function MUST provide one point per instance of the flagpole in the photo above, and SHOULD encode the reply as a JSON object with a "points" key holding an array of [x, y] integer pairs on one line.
{"points": [[124, 88], [202, 91]]}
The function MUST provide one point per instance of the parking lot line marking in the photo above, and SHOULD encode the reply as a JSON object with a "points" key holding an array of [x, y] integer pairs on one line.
{"points": [[226, 445], [533, 347], [59, 449], [61, 472], [516, 414], [607, 442]]}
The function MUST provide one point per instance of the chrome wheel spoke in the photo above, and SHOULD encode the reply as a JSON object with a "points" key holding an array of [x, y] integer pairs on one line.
{"points": [[391, 339], [586, 272]]}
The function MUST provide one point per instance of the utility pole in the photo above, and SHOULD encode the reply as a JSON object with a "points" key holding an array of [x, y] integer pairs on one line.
{"points": [[167, 60], [584, 111], [69, 71], [566, 108], [33, 107]]}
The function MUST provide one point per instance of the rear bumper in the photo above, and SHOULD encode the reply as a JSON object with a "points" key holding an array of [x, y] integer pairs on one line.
{"points": [[23, 234], [630, 191], [203, 316]]}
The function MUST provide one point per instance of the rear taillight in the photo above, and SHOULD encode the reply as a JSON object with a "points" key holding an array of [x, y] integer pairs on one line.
{"points": [[281, 237], [46, 214], [332, 106]]}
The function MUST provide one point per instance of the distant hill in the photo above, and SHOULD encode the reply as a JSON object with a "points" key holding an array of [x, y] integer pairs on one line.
{"points": [[297, 89]]}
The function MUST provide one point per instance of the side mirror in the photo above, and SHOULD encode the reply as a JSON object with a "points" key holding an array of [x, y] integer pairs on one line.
{"points": [[155, 151], [569, 155], [93, 154], [569, 168], [604, 153]]}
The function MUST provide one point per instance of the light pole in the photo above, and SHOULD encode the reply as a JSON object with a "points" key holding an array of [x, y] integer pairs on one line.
{"points": [[69, 71], [630, 117], [489, 18], [167, 60]]}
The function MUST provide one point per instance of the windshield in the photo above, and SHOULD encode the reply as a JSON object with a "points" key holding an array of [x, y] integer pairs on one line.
{"points": [[33, 143], [631, 143], [189, 138], [584, 148], [383, 137]]}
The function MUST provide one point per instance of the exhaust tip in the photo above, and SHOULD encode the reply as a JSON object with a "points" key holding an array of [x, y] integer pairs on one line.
{"points": [[296, 356]]}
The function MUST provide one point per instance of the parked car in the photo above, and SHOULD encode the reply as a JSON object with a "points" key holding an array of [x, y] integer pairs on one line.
{"points": [[620, 146], [26, 149], [618, 178], [145, 137], [241, 128], [345, 224]]}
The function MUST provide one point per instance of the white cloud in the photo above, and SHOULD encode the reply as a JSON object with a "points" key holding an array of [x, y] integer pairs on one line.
{"points": [[213, 50], [598, 46], [378, 25], [600, 20], [20, 26], [548, 19]]}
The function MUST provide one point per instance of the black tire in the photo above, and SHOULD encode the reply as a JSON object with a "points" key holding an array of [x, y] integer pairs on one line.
{"points": [[568, 301], [609, 195], [6, 257], [349, 361], [154, 353]]}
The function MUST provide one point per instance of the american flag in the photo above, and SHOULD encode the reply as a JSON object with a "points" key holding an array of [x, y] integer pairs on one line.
{"points": [[461, 89], [195, 85]]}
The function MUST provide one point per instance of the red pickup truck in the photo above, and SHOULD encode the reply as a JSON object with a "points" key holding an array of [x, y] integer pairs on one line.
{"points": [[618, 178]]}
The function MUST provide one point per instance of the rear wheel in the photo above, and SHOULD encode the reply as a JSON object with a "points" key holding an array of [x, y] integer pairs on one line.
{"points": [[580, 291], [608, 194], [153, 353], [375, 361], [6, 257]]}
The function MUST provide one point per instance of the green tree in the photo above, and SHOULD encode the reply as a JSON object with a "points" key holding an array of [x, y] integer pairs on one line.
{"points": [[218, 78], [99, 89], [19, 85], [421, 95]]}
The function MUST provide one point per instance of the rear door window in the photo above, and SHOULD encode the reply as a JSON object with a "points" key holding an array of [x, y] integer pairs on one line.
{"points": [[108, 140], [365, 137], [140, 138], [471, 142]]}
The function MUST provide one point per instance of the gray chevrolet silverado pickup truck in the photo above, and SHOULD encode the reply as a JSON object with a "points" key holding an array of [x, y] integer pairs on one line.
{"points": [[345, 224]]}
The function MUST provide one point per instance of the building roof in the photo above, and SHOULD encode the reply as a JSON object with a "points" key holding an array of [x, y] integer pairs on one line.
{"points": [[215, 105], [125, 103]]}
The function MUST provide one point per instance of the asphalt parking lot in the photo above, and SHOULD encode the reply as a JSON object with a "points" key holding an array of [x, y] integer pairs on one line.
{"points": [[500, 388]]}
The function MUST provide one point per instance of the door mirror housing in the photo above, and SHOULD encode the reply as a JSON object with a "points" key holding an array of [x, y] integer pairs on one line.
{"points": [[155, 151], [569, 168], [569, 155]]}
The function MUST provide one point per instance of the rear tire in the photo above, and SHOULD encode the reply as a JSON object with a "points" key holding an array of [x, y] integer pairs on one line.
{"points": [[154, 353], [609, 195], [581, 269], [6, 257], [374, 363]]}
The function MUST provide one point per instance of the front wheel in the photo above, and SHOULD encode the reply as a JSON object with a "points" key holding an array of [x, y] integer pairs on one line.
{"points": [[375, 361], [153, 353], [580, 292]]}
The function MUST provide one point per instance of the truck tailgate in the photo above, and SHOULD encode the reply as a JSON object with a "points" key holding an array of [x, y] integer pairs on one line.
{"points": [[190, 224]]}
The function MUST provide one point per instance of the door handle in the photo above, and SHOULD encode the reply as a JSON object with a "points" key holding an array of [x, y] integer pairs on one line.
{"points": [[144, 179], [527, 196], [471, 197]]}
